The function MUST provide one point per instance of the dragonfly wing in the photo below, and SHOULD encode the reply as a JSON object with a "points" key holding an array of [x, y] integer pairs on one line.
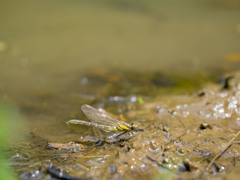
{"points": [[98, 117], [107, 128], [81, 122]]}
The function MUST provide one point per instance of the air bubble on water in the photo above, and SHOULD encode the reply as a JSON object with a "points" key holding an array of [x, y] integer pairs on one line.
{"points": [[221, 111], [175, 166], [218, 106], [238, 121], [143, 166], [237, 110], [186, 114], [178, 107], [228, 115], [232, 105], [222, 95], [132, 167]]}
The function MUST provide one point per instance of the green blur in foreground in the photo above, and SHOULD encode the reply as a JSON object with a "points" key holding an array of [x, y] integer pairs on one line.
{"points": [[9, 120]]}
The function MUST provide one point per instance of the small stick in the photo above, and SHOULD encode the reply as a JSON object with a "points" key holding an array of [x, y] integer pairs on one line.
{"points": [[171, 113], [177, 137], [229, 144]]}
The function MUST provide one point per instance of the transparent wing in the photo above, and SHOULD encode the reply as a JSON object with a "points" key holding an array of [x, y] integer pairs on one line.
{"points": [[102, 127], [98, 117]]}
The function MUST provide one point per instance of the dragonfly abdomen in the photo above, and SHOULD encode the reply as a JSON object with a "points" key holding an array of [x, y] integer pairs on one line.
{"points": [[74, 121]]}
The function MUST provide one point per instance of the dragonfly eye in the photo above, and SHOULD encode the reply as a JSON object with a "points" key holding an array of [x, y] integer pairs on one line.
{"points": [[134, 126]]}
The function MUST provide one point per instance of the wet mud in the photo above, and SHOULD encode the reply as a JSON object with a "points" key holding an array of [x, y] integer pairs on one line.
{"points": [[193, 136]]}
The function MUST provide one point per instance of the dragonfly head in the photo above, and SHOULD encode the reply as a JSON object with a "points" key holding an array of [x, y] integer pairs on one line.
{"points": [[133, 126]]}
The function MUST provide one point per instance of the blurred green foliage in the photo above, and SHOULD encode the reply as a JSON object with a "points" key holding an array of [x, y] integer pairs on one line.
{"points": [[9, 120]]}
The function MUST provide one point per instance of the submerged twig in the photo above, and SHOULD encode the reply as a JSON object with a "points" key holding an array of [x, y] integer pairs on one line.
{"points": [[229, 144], [171, 113], [177, 137]]}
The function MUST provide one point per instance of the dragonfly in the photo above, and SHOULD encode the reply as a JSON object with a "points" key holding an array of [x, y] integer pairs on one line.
{"points": [[102, 121]]}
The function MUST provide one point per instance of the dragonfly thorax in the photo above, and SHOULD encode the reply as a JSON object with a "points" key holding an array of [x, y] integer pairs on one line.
{"points": [[133, 126], [126, 127]]}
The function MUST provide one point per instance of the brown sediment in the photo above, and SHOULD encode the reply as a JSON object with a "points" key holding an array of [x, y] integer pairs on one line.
{"points": [[182, 137]]}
